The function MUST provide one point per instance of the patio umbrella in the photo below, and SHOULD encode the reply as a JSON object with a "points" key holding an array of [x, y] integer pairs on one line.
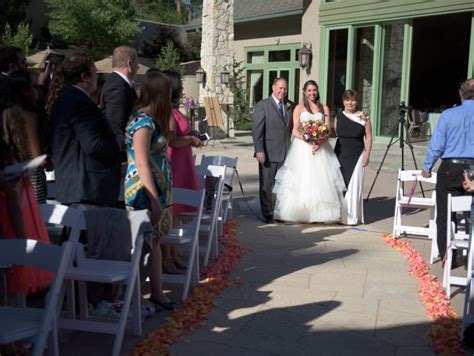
{"points": [[105, 66], [37, 60]]}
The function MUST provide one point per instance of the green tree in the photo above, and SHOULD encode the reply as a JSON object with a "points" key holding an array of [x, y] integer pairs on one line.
{"points": [[12, 12], [242, 113], [99, 25], [169, 58], [163, 11], [21, 39]]}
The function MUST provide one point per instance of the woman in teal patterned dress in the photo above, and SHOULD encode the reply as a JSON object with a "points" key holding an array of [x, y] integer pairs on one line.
{"points": [[148, 178]]}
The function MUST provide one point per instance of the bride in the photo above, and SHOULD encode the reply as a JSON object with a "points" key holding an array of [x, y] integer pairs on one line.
{"points": [[309, 186]]}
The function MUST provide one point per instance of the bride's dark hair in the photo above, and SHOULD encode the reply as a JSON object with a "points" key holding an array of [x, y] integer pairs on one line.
{"points": [[305, 99]]}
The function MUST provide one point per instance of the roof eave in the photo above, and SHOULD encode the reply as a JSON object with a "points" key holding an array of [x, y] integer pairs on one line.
{"points": [[254, 18]]}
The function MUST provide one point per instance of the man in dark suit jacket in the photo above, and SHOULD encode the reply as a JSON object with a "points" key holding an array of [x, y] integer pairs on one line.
{"points": [[85, 151], [271, 128], [118, 95]]}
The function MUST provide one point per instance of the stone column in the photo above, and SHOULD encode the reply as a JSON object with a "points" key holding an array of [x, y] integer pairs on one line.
{"points": [[217, 51]]}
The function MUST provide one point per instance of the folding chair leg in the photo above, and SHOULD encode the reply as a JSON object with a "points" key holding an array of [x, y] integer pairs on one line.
{"points": [[53, 340], [214, 244], [192, 272], [71, 299], [136, 311], [83, 301], [396, 221], [210, 239], [434, 245], [447, 272]]}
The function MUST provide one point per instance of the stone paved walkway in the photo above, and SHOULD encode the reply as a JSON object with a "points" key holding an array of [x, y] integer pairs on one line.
{"points": [[307, 289]]}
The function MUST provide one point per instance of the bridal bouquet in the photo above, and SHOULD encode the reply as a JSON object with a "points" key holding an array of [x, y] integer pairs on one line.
{"points": [[315, 132]]}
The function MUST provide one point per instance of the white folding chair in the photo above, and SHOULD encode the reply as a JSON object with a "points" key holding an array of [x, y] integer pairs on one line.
{"points": [[51, 185], [33, 323], [187, 234], [101, 271], [231, 164], [456, 240], [414, 121], [411, 200], [210, 220], [468, 312]]}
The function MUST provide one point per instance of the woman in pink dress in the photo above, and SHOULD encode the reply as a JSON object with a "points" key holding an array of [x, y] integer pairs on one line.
{"points": [[180, 155]]}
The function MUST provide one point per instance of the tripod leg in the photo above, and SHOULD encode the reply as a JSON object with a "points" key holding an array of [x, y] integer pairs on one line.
{"points": [[391, 142]]}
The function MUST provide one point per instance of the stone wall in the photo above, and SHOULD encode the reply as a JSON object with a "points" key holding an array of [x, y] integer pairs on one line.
{"points": [[217, 51]]}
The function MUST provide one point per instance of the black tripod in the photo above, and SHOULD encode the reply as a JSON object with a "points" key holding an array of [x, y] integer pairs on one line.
{"points": [[399, 127]]}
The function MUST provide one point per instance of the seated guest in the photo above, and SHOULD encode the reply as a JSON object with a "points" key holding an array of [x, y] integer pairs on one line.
{"points": [[148, 177], [85, 152]]}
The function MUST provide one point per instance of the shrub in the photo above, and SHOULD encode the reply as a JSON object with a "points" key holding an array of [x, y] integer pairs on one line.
{"points": [[21, 39]]}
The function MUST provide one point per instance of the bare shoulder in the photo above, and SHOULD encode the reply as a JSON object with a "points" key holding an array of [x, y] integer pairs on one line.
{"points": [[299, 108]]}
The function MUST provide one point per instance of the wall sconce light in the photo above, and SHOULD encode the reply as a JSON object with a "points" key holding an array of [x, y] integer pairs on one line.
{"points": [[304, 56], [200, 75], [225, 77]]}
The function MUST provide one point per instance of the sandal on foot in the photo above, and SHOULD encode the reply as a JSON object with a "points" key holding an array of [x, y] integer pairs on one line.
{"points": [[165, 305]]}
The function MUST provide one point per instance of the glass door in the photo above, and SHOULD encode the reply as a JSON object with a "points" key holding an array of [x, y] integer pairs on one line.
{"points": [[391, 80], [337, 67], [364, 67]]}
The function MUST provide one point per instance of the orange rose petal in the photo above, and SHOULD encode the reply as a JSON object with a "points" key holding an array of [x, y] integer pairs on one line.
{"points": [[446, 325], [193, 312]]}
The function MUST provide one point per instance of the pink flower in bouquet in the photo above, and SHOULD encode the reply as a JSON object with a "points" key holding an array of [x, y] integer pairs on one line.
{"points": [[315, 132]]}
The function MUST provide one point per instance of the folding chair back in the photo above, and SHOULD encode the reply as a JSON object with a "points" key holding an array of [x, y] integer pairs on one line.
{"points": [[58, 214], [101, 271], [32, 323], [407, 197], [210, 223], [231, 164], [187, 234], [456, 240]]}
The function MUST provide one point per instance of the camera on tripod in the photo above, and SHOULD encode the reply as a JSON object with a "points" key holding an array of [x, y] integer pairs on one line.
{"points": [[402, 110]]}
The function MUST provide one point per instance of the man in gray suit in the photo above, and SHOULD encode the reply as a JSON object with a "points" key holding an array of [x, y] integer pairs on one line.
{"points": [[271, 128]]}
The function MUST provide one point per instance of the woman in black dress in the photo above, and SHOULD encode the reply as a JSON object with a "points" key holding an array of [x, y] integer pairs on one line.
{"points": [[354, 142]]}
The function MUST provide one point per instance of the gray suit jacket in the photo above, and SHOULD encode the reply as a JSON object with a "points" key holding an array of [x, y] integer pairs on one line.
{"points": [[271, 131]]}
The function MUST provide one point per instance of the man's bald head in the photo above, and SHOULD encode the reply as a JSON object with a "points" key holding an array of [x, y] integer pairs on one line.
{"points": [[466, 91]]}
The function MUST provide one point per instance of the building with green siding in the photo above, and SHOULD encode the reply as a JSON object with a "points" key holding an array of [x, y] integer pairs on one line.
{"points": [[390, 51]]}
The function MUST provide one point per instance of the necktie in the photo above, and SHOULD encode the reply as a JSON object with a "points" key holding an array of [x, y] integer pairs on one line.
{"points": [[280, 106]]}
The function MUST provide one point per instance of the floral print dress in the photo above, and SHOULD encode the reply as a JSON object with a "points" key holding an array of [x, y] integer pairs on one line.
{"points": [[135, 193]]}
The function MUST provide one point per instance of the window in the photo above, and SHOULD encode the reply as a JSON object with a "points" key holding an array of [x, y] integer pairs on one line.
{"points": [[255, 57], [279, 56]]}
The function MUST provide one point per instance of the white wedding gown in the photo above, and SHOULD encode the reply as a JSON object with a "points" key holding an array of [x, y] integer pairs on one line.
{"points": [[309, 188]]}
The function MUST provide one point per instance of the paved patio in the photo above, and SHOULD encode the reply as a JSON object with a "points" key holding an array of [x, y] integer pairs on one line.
{"points": [[307, 289]]}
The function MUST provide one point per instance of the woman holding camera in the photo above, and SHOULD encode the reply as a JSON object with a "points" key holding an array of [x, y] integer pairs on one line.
{"points": [[180, 155]]}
